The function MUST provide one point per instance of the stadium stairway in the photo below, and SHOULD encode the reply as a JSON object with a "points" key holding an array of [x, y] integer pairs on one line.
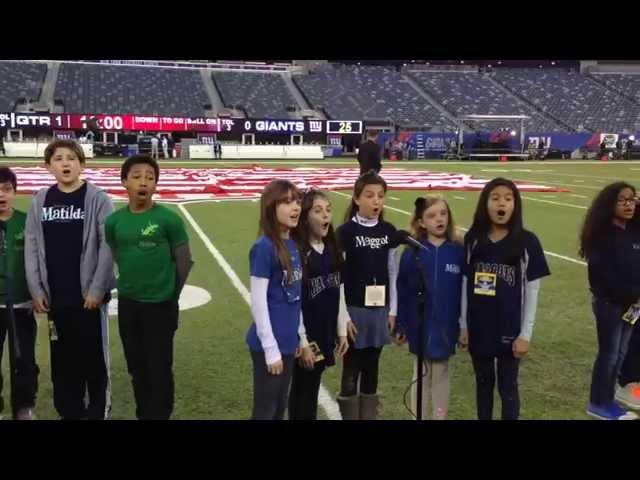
{"points": [[45, 101], [212, 92], [595, 79], [506, 89], [304, 106], [407, 78], [559, 123]]}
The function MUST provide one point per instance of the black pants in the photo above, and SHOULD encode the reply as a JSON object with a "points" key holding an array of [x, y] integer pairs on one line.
{"points": [[147, 331], [630, 372], [25, 388], [507, 368], [303, 398], [360, 364], [613, 340], [270, 392], [80, 363]]}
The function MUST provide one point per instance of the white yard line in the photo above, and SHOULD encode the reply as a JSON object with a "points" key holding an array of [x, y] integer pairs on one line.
{"points": [[545, 182], [551, 254], [578, 196], [555, 203], [324, 398], [459, 198]]}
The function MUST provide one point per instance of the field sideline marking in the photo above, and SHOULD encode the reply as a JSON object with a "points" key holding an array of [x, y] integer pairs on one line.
{"points": [[551, 254], [324, 398]]}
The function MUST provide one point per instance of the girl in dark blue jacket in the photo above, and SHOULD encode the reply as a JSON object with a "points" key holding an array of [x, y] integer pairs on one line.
{"points": [[442, 260], [610, 242]]}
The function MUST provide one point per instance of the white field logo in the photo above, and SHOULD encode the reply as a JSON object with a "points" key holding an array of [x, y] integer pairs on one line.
{"points": [[190, 297]]}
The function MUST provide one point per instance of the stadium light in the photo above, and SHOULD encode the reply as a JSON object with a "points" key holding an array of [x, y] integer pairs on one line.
{"points": [[553, 63], [513, 133], [632, 138], [461, 61], [499, 62]]}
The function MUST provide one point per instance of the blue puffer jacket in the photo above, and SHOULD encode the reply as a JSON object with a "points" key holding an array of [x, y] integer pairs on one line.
{"points": [[443, 271]]}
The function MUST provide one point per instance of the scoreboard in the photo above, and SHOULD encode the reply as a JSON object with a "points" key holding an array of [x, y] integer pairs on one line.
{"points": [[344, 126], [85, 121]]}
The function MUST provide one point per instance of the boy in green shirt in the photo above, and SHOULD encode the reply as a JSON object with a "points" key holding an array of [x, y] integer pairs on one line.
{"points": [[16, 311], [151, 249]]}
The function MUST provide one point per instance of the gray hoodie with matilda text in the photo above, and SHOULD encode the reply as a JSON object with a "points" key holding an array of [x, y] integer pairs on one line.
{"points": [[96, 263]]}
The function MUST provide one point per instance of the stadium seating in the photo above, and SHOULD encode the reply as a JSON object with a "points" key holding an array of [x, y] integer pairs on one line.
{"points": [[474, 93], [556, 99], [20, 80], [574, 98], [260, 94], [628, 85], [118, 89], [346, 92]]}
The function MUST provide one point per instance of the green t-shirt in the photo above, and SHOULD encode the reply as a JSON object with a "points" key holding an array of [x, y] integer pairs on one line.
{"points": [[12, 259], [142, 245]]}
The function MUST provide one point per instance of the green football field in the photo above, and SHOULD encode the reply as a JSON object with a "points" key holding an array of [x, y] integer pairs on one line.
{"points": [[212, 364]]}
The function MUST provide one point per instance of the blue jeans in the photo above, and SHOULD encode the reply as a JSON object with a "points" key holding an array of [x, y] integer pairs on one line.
{"points": [[270, 392], [613, 340], [631, 367]]}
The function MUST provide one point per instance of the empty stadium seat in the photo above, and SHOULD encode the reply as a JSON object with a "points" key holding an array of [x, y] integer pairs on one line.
{"points": [[139, 90]]}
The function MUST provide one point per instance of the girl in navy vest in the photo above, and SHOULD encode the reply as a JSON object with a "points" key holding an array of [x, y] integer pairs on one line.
{"points": [[321, 260], [610, 242], [432, 224], [368, 296], [503, 267], [277, 333]]}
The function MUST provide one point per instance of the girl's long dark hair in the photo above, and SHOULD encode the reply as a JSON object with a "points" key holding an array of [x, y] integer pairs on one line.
{"points": [[368, 178], [597, 221], [276, 192], [479, 231], [301, 233]]}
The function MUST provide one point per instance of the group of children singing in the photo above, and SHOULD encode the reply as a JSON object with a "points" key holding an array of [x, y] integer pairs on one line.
{"points": [[317, 295], [59, 258]]}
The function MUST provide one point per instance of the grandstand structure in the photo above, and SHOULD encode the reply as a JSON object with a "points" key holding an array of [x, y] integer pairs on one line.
{"points": [[410, 97]]}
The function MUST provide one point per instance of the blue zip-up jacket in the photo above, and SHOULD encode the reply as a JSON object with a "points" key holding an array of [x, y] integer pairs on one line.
{"points": [[443, 270]]}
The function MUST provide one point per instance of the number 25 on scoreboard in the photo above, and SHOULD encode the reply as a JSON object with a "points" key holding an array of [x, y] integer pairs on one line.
{"points": [[345, 127]]}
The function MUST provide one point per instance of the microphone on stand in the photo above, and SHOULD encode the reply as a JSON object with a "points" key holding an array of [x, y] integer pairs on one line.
{"points": [[403, 237]]}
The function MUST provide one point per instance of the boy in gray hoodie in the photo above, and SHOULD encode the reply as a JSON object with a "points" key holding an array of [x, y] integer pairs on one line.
{"points": [[69, 270]]}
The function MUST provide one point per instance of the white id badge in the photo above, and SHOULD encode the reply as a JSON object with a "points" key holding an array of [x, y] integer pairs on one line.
{"points": [[374, 296]]}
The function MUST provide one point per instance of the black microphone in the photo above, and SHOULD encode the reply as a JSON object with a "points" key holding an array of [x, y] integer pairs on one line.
{"points": [[404, 237]]}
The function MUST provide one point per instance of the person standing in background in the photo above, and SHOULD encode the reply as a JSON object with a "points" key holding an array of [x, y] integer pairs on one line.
{"points": [[154, 147], [369, 154]]}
